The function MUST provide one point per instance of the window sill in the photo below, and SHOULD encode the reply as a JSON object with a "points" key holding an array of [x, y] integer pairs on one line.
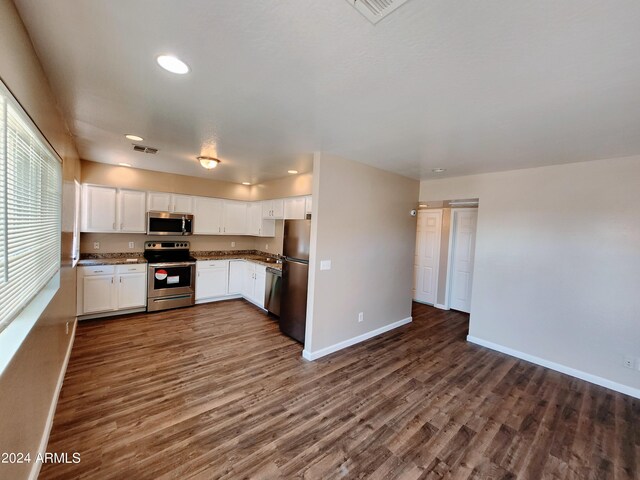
{"points": [[13, 336]]}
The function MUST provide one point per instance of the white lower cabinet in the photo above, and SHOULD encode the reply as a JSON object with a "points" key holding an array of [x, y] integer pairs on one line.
{"points": [[211, 279], [236, 276], [111, 288], [220, 279]]}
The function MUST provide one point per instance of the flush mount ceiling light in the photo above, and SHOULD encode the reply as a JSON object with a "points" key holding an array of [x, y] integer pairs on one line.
{"points": [[293, 172], [135, 138], [122, 164], [439, 170], [173, 64], [246, 183], [208, 162]]}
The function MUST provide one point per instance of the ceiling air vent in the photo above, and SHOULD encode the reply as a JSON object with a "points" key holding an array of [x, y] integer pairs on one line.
{"points": [[376, 10], [143, 149]]}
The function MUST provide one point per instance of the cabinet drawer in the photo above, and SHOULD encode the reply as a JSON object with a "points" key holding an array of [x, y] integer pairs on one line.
{"points": [[212, 264], [132, 268], [97, 270]]}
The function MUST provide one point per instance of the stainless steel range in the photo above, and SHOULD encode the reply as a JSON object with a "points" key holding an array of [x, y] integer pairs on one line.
{"points": [[171, 278]]}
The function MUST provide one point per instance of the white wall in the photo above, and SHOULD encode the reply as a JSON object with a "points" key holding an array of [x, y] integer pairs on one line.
{"points": [[557, 266], [360, 222]]}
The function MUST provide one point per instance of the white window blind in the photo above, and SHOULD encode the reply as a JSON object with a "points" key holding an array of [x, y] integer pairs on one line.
{"points": [[31, 191]]}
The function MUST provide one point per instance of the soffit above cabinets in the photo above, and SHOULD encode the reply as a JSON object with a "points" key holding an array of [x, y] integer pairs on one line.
{"points": [[463, 85]]}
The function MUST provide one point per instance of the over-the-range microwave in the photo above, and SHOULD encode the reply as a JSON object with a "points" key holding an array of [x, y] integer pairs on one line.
{"points": [[167, 223]]}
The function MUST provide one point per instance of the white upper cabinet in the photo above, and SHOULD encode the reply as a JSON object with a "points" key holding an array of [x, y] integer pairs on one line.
{"points": [[158, 202], [207, 216], [181, 203], [99, 209], [131, 211], [273, 209], [108, 209], [294, 208], [169, 202], [308, 204], [256, 225], [234, 218]]}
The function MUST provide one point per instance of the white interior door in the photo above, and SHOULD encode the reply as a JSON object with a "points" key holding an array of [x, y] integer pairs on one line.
{"points": [[463, 248], [427, 257]]}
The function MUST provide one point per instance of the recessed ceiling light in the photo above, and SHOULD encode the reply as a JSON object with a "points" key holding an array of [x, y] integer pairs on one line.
{"points": [[246, 183], [208, 162], [173, 64], [439, 170], [293, 172], [135, 138], [124, 164]]}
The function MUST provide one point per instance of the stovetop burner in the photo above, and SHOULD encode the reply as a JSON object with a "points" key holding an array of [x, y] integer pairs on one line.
{"points": [[167, 252]]}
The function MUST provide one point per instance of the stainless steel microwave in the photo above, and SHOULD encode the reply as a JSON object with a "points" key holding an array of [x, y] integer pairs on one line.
{"points": [[166, 223]]}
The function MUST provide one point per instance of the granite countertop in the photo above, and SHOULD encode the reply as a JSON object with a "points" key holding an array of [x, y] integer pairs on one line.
{"points": [[94, 259], [251, 255]]}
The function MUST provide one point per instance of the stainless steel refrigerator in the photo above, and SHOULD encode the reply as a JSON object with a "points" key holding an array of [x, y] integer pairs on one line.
{"points": [[295, 276]]}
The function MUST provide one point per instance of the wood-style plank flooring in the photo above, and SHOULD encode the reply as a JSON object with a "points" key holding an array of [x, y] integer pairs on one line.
{"points": [[216, 391]]}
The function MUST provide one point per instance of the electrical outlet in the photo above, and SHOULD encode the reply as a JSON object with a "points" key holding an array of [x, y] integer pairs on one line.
{"points": [[233, 244], [628, 361], [96, 245], [325, 264], [132, 245], [361, 317], [266, 247], [67, 328]]}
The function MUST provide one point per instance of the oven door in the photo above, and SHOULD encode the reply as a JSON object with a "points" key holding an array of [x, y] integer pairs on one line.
{"points": [[172, 278]]}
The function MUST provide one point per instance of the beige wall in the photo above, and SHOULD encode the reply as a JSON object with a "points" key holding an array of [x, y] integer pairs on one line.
{"points": [[361, 222], [119, 242], [557, 263], [134, 178], [28, 385]]}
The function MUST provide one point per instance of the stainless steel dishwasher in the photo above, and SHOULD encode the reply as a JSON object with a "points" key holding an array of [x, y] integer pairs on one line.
{"points": [[272, 290]]}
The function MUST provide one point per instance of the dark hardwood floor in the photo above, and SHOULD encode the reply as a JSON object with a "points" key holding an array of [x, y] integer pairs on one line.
{"points": [[216, 391]]}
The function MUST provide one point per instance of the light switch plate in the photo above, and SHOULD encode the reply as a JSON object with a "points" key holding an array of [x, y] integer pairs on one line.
{"points": [[325, 264], [132, 245]]}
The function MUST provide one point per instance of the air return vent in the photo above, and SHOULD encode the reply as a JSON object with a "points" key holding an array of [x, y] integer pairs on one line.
{"points": [[143, 149], [376, 10]]}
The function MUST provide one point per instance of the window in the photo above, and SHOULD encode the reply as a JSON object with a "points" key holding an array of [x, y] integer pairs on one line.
{"points": [[30, 205]]}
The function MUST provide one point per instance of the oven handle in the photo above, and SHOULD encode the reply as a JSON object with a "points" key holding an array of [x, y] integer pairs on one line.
{"points": [[172, 264]]}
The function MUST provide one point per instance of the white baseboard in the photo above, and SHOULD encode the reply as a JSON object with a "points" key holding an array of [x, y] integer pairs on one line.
{"points": [[352, 341], [441, 306], [35, 470], [603, 382], [233, 296]]}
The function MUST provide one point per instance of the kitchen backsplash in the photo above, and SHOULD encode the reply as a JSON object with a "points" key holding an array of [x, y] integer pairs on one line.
{"points": [[119, 242]]}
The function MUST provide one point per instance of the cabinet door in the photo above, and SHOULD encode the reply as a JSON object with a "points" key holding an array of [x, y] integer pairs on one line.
{"points": [[254, 219], [308, 204], [158, 202], [234, 218], [182, 204], [294, 208], [248, 280], [211, 282], [207, 216], [99, 209], [259, 286], [132, 290], [236, 276], [132, 211], [278, 209], [267, 228], [267, 209], [98, 294]]}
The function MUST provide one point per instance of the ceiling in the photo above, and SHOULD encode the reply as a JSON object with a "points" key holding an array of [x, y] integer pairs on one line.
{"points": [[459, 84]]}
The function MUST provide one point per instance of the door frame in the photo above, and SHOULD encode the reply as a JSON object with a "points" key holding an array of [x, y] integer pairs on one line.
{"points": [[440, 211], [452, 236]]}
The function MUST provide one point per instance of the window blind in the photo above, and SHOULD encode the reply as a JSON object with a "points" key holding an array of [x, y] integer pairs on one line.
{"points": [[31, 190]]}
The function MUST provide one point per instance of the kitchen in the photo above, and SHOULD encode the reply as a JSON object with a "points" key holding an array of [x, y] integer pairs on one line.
{"points": [[150, 250]]}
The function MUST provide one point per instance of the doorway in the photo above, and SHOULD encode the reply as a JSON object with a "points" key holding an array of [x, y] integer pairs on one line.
{"points": [[427, 256], [462, 247]]}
